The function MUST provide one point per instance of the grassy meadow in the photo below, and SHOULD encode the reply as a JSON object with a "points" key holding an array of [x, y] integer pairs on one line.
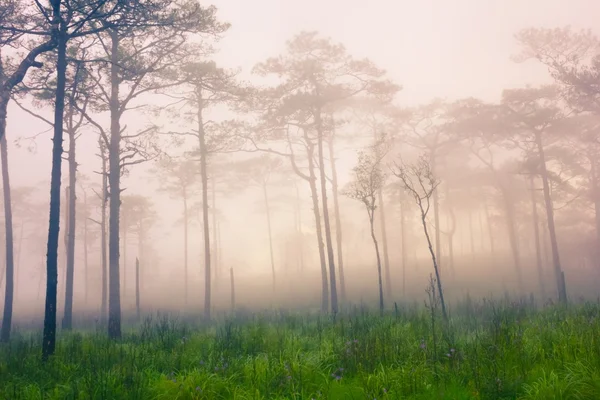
{"points": [[491, 350]]}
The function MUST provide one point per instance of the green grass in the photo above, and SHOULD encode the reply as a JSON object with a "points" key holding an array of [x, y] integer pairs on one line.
{"points": [[493, 351]]}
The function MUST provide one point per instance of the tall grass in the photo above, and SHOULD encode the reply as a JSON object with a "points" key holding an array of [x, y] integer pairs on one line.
{"points": [[496, 350]]}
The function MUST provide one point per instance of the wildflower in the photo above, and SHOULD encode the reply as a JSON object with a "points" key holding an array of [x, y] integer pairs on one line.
{"points": [[452, 351], [198, 389], [384, 390], [423, 346]]}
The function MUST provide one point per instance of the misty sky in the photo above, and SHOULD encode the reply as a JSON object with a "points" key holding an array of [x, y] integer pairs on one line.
{"points": [[433, 48]]}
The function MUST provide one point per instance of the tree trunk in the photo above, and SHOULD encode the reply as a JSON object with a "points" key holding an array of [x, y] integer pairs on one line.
{"points": [[8, 226], [63, 285], [451, 232], [403, 244], [114, 182], [49, 335], [512, 235], [471, 233], [436, 218], [85, 246], [315, 201], [490, 234], [137, 288], [545, 240], [536, 233], [338, 222], [372, 222], [185, 247], [386, 258], [232, 290], [103, 229], [71, 226], [17, 261], [125, 225], [139, 260], [451, 217], [268, 209], [300, 243], [595, 189], [328, 241], [205, 216], [435, 265], [215, 251], [559, 276], [481, 230]]}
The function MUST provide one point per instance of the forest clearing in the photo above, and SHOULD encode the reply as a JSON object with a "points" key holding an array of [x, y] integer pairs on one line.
{"points": [[272, 199]]}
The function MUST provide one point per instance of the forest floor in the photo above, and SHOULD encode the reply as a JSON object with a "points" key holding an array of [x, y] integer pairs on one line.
{"points": [[491, 351]]}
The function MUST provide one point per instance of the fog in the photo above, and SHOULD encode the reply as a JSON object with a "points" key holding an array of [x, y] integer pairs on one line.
{"points": [[437, 51]]}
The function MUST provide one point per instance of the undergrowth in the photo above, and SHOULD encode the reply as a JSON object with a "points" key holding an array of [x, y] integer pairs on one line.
{"points": [[493, 351]]}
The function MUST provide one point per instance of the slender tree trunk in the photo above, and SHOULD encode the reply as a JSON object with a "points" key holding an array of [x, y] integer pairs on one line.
{"points": [[139, 261], [380, 280], [268, 209], [103, 229], [299, 231], [125, 225], [232, 290], [137, 288], [3, 257], [338, 221], [595, 190], [559, 275], [436, 218], [8, 227], [114, 182], [384, 242], [403, 244], [490, 234], [328, 241], [451, 232], [435, 265], [63, 284], [512, 235], [481, 232], [215, 251], [185, 246], [17, 261], [49, 335], [219, 247], [85, 246], [536, 233], [205, 216], [4, 99], [71, 226], [471, 233], [315, 201], [545, 240]]}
